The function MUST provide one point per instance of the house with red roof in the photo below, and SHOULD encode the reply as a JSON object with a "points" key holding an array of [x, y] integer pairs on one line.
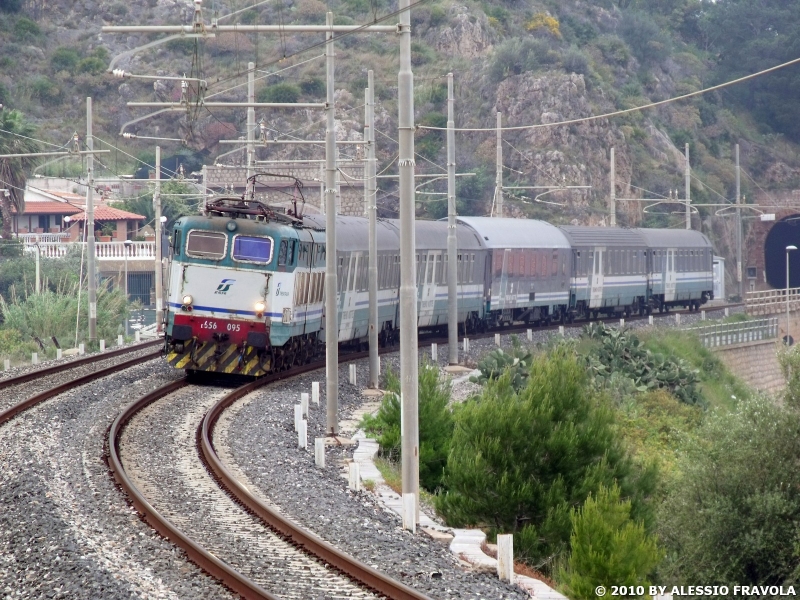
{"points": [[121, 224]]}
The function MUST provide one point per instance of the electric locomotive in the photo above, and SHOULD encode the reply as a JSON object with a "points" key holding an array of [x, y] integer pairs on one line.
{"points": [[244, 294]]}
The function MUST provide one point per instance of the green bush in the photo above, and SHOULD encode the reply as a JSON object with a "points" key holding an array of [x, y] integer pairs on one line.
{"points": [[26, 30], [280, 92], [519, 462], [92, 64], [517, 362], [516, 56], [65, 59], [46, 91], [313, 87], [608, 547], [733, 514], [435, 424], [10, 5], [622, 352]]}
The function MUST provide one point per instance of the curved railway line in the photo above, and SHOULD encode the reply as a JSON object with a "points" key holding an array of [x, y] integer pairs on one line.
{"points": [[311, 561]]}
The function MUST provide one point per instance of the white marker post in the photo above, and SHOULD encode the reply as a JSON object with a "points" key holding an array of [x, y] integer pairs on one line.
{"points": [[354, 477], [315, 392], [497, 339], [410, 512], [298, 416], [434, 352], [530, 335], [319, 452], [352, 373], [505, 557], [302, 434], [102, 345], [35, 358], [650, 319], [59, 354], [304, 403], [120, 340]]}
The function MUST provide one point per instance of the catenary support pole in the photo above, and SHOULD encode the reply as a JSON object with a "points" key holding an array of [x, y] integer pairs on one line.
{"points": [[158, 264], [408, 290], [499, 172], [331, 321], [452, 241], [91, 271], [251, 118], [612, 198], [38, 271], [688, 189], [739, 278], [372, 214]]}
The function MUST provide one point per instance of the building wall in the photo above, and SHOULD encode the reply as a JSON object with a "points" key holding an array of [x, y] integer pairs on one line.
{"points": [[351, 189]]}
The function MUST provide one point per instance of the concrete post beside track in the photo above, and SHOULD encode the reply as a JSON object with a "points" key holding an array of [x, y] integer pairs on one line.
{"points": [[319, 452]]}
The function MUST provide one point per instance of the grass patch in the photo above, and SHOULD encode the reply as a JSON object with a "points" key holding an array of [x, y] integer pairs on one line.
{"points": [[393, 477], [718, 386]]}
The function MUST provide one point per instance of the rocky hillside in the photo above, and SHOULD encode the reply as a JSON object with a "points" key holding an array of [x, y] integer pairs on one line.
{"points": [[536, 61]]}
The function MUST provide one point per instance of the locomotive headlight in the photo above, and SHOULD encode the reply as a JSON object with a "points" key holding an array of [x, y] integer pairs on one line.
{"points": [[187, 299], [260, 307]]}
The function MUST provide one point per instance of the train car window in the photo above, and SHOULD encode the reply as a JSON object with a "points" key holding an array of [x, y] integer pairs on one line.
{"points": [[252, 249], [206, 244], [554, 270], [176, 242], [472, 267], [283, 251]]}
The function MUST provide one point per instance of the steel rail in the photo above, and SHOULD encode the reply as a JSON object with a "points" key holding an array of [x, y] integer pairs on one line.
{"points": [[4, 383], [10, 413], [311, 543], [217, 568]]}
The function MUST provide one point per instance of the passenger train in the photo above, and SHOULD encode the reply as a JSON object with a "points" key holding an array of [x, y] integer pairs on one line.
{"points": [[246, 283]]}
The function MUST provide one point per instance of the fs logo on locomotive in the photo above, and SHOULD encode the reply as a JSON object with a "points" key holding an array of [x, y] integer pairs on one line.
{"points": [[224, 286]]}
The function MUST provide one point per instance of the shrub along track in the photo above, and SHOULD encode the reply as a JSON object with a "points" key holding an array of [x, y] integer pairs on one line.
{"points": [[290, 533]]}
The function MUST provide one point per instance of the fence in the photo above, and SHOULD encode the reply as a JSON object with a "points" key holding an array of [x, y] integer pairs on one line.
{"points": [[771, 302], [102, 250], [725, 334]]}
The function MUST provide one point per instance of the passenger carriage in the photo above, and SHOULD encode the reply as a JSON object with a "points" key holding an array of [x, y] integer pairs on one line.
{"points": [[528, 271], [681, 269], [609, 270]]}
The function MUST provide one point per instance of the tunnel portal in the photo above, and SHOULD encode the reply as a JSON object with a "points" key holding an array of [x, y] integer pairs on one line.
{"points": [[785, 232]]}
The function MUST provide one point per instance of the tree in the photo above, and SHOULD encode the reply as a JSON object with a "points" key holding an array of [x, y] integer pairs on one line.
{"points": [[608, 547], [733, 514], [15, 138], [747, 37], [519, 462], [435, 424]]}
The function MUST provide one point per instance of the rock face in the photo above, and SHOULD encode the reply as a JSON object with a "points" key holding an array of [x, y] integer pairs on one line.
{"points": [[554, 154], [466, 35]]}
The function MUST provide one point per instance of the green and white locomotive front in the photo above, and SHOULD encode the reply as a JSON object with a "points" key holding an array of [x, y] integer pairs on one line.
{"points": [[229, 281]]}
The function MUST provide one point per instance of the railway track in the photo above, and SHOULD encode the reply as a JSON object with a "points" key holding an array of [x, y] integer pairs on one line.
{"points": [[57, 379], [277, 536]]}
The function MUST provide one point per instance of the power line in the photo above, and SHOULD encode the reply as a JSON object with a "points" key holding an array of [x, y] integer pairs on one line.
{"points": [[621, 112]]}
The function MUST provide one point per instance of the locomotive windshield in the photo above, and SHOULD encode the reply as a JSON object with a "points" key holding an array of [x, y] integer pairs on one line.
{"points": [[252, 249], [206, 244]]}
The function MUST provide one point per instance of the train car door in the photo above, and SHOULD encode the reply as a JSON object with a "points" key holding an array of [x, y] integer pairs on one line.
{"points": [[427, 289], [348, 307], [670, 277], [504, 291], [596, 279]]}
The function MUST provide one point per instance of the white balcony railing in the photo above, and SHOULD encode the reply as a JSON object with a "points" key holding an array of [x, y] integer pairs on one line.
{"points": [[102, 250], [42, 238]]}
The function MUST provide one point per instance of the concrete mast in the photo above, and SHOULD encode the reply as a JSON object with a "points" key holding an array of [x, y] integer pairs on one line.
{"points": [[251, 118], [739, 278], [499, 172], [372, 214], [159, 267], [408, 290], [91, 269], [612, 199], [452, 240], [688, 189], [331, 321]]}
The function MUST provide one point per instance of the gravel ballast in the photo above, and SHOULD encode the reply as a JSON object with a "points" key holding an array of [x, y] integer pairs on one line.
{"points": [[66, 531]]}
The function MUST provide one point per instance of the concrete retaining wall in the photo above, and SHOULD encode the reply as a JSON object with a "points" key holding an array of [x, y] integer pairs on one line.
{"points": [[755, 363]]}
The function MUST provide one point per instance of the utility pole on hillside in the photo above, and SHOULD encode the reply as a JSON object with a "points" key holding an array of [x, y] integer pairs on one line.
{"points": [[91, 270]]}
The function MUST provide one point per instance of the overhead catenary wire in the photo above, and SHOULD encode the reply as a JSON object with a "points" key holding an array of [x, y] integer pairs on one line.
{"points": [[620, 112]]}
